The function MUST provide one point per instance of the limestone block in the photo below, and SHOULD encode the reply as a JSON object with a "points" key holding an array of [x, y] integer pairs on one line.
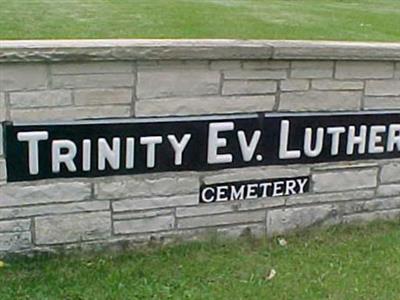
{"points": [[40, 99], [248, 87], [204, 105], [3, 110], [72, 228], [225, 65], [153, 224], [320, 101], [15, 241], [256, 74], [382, 88], [102, 96], [15, 225], [27, 76], [291, 85], [364, 69], [376, 103], [311, 69], [330, 84], [265, 64], [93, 80], [346, 179], [390, 172], [371, 216], [92, 67]]}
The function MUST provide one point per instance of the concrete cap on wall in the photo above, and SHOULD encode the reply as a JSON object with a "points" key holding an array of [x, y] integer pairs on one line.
{"points": [[136, 49]]}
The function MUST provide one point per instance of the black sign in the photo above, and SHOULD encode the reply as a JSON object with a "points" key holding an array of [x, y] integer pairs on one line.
{"points": [[103, 148], [245, 190]]}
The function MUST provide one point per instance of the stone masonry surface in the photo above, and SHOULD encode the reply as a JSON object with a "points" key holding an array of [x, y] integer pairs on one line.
{"points": [[74, 80]]}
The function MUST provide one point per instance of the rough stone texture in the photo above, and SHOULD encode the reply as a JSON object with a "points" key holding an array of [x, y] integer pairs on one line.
{"points": [[72, 228], [102, 96], [3, 171], [291, 85], [146, 187], [16, 195], [311, 69], [151, 224], [15, 225], [258, 74], [12, 242], [70, 113], [388, 190], [345, 179], [364, 70], [54, 98], [53, 209], [91, 68], [381, 103], [225, 65], [172, 82], [151, 203], [3, 111], [371, 216], [320, 101], [329, 84], [14, 77], [222, 219], [92, 80], [390, 172], [265, 64], [248, 87], [382, 88], [283, 220], [204, 105]]}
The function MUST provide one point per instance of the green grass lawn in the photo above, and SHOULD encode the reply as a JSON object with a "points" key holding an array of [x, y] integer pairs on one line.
{"points": [[362, 20], [360, 262]]}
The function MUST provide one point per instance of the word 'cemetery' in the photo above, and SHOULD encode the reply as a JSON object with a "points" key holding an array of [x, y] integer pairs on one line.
{"points": [[97, 149]]}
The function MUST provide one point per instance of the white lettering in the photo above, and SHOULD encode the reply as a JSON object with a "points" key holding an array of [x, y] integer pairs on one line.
{"points": [[179, 147], [215, 142], [105, 153], [248, 149], [33, 138], [67, 158], [151, 142], [284, 153]]}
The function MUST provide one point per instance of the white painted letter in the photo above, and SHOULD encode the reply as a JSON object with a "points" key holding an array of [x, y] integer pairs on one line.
{"points": [[393, 137], [33, 138], [335, 132], [179, 147], [86, 158], [106, 153], [318, 143], [214, 142], [248, 149], [374, 138], [360, 140], [130, 153], [151, 142], [284, 153], [66, 158]]}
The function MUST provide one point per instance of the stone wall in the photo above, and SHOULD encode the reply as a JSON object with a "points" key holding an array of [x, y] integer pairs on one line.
{"points": [[74, 80]]}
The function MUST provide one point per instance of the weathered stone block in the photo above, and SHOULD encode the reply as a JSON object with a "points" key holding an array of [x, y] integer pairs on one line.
{"points": [[283, 220], [265, 64], [170, 82], [40, 99], [129, 215], [345, 179], [3, 110], [330, 197], [102, 96], [382, 87], [371, 216], [254, 173], [364, 69], [388, 190], [311, 69], [222, 219], [330, 84], [93, 80], [382, 204], [390, 172], [27, 76], [53, 209], [15, 195], [3, 171], [151, 203], [92, 67], [15, 241], [320, 101], [146, 187], [381, 103], [72, 228], [257, 74], [204, 105], [294, 85], [229, 206], [248, 87], [70, 113], [225, 65], [15, 225], [160, 223]]}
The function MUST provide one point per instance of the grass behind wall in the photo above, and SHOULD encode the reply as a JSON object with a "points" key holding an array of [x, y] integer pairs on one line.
{"points": [[360, 20]]}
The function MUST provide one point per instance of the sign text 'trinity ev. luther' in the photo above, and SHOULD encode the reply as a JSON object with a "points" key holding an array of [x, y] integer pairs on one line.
{"points": [[117, 147]]}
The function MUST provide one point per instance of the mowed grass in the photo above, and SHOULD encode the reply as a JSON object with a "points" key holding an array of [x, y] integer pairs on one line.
{"points": [[359, 20], [360, 262]]}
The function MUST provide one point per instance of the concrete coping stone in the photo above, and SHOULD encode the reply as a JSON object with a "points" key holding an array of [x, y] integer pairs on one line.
{"points": [[149, 49]]}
